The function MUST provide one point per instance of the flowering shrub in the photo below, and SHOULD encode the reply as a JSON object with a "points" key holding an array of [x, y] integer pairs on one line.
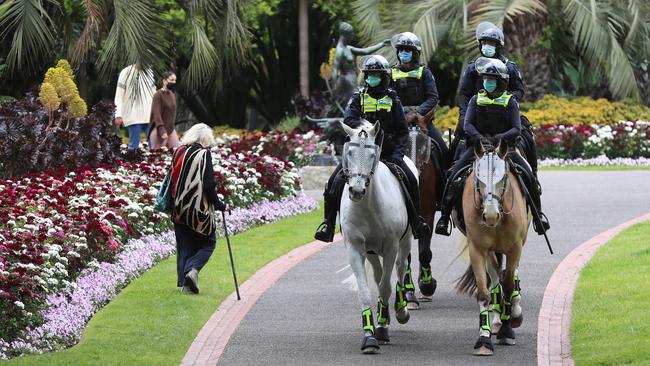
{"points": [[67, 312], [624, 139], [54, 223], [597, 161]]}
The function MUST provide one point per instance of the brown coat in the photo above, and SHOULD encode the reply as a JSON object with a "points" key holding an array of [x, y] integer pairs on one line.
{"points": [[163, 112]]}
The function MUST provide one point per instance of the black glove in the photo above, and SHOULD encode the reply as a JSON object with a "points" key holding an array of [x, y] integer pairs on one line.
{"points": [[220, 206]]}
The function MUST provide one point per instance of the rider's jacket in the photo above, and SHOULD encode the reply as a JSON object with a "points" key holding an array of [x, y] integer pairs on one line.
{"points": [[415, 87], [471, 83], [383, 106], [492, 116]]}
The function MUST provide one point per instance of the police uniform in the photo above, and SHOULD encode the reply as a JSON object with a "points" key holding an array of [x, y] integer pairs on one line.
{"points": [[417, 88]]}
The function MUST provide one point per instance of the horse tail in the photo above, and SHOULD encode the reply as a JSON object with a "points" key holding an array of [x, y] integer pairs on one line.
{"points": [[466, 284]]}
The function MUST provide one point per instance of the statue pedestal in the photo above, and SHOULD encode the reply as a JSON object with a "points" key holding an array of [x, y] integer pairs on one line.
{"points": [[315, 175]]}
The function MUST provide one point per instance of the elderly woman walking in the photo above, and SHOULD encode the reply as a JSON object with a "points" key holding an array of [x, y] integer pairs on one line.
{"points": [[194, 200]]}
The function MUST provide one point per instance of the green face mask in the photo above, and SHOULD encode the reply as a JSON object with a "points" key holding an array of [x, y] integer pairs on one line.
{"points": [[373, 80]]}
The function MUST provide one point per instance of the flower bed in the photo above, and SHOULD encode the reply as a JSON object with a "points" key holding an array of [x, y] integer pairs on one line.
{"points": [[54, 223], [68, 311]]}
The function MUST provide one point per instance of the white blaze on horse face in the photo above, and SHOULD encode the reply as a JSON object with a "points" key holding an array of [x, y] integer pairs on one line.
{"points": [[359, 160], [491, 173]]}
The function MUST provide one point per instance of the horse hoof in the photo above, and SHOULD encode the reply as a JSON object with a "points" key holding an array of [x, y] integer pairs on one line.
{"points": [[506, 341], [425, 298], [483, 351], [506, 335], [403, 315], [370, 345], [428, 288], [483, 346], [496, 327], [412, 302], [516, 322], [381, 334]]}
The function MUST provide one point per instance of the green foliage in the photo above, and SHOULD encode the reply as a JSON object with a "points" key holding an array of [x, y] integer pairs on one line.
{"points": [[614, 283], [152, 323], [289, 123]]}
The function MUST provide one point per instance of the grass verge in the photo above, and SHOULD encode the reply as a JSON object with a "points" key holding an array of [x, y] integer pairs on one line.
{"points": [[594, 168], [611, 324], [151, 323]]}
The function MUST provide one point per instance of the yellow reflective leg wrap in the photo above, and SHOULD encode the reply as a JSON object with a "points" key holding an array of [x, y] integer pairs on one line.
{"points": [[408, 280], [400, 297], [484, 320], [425, 274], [496, 303], [382, 313], [517, 289], [368, 323], [507, 310]]}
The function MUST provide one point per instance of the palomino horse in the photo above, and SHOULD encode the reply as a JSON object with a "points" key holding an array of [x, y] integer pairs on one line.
{"points": [[496, 220], [374, 224], [419, 151]]}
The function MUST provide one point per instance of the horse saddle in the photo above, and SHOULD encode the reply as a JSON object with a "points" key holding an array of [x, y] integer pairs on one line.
{"points": [[402, 179]]}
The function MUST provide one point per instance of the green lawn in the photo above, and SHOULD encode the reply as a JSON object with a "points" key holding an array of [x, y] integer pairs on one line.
{"points": [[152, 323], [597, 168], [611, 321]]}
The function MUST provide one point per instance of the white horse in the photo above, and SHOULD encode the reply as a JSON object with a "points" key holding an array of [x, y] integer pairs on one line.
{"points": [[374, 223]]}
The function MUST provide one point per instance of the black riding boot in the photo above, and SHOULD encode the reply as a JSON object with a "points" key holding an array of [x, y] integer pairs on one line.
{"points": [[418, 225], [442, 227], [534, 193], [332, 197]]}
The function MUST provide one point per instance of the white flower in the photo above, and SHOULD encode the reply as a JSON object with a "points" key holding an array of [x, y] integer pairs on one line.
{"points": [[19, 304]]}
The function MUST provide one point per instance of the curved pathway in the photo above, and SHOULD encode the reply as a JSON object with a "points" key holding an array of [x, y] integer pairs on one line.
{"points": [[311, 315]]}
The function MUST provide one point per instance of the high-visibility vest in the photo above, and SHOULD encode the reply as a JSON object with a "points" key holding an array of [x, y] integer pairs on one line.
{"points": [[492, 115]]}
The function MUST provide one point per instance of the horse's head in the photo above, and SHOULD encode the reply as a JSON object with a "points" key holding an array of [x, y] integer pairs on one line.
{"points": [[418, 148], [360, 157], [491, 178]]}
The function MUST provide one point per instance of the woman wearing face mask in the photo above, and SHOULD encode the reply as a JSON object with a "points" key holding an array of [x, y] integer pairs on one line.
{"points": [[375, 102], [162, 130], [492, 112]]}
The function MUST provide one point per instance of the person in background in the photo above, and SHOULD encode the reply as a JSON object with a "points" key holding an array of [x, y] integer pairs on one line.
{"points": [[162, 130], [133, 97], [194, 199]]}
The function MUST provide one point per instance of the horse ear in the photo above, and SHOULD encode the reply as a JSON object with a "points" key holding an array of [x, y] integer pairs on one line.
{"points": [[502, 149], [375, 129], [478, 148], [348, 130]]}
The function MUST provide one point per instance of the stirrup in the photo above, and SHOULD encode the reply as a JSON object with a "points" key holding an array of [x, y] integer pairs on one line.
{"points": [[324, 233], [442, 227], [545, 225]]}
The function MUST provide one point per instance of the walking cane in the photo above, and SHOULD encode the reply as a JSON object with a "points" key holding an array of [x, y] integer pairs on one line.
{"points": [[232, 263]]}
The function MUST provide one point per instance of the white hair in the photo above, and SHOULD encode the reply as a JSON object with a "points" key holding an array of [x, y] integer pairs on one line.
{"points": [[200, 133]]}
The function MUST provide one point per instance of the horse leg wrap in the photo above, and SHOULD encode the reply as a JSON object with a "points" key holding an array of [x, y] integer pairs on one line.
{"points": [[496, 298], [408, 280], [507, 310], [367, 321], [400, 297], [517, 290], [383, 315], [484, 322], [425, 274]]}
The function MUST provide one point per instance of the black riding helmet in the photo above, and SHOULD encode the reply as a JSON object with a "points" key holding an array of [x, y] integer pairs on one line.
{"points": [[409, 41], [493, 67], [489, 31], [376, 64]]}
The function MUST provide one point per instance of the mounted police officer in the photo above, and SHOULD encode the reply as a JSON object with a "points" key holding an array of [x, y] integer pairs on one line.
{"points": [[416, 88], [375, 102], [490, 41], [494, 112]]}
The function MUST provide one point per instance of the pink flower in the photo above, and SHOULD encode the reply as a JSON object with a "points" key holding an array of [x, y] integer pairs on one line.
{"points": [[556, 140], [113, 244]]}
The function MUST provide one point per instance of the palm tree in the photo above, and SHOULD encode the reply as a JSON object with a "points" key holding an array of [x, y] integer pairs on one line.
{"points": [[116, 33], [609, 35]]}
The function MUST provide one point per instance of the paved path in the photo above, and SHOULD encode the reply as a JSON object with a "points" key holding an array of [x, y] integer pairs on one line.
{"points": [[311, 316]]}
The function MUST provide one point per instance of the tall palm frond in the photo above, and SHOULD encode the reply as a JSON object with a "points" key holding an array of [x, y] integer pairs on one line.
{"points": [[597, 28], [30, 27], [368, 14], [96, 20]]}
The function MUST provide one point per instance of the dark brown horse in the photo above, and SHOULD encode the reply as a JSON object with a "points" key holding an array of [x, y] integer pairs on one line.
{"points": [[496, 220], [419, 150]]}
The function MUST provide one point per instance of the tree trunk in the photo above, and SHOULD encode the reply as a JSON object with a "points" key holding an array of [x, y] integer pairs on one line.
{"points": [[523, 45], [303, 39]]}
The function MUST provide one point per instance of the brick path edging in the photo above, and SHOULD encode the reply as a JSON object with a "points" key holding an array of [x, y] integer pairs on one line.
{"points": [[209, 344], [554, 322]]}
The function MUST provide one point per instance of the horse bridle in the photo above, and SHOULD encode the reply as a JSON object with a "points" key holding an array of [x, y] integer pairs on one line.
{"points": [[490, 184], [363, 135]]}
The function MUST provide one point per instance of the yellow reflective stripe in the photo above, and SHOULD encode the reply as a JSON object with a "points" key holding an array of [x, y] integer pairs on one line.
{"points": [[483, 99], [370, 104], [399, 74]]}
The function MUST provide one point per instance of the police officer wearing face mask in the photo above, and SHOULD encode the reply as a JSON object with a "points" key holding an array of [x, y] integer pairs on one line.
{"points": [[490, 43], [493, 112], [375, 102], [416, 88]]}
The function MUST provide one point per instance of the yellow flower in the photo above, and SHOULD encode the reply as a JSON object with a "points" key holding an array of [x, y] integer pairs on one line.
{"points": [[77, 107], [54, 76], [48, 97], [65, 66], [68, 90]]}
